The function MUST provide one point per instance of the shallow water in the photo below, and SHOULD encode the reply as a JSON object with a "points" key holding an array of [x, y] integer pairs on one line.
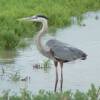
{"points": [[77, 75]]}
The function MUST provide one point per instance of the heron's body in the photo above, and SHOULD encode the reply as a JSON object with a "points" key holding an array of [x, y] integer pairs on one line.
{"points": [[57, 51], [65, 52]]}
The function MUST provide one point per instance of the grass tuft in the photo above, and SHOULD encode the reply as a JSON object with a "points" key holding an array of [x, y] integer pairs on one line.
{"points": [[43, 95]]}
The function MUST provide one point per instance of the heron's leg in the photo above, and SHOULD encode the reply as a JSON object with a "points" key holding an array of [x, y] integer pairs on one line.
{"points": [[56, 82], [61, 84]]}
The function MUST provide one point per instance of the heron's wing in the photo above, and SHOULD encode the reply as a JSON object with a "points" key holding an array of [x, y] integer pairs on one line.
{"points": [[64, 51]]}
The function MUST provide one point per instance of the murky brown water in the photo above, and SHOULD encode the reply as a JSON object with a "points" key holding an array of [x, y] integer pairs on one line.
{"points": [[77, 75]]}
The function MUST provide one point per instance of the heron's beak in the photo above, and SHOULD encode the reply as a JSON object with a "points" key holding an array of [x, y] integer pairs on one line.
{"points": [[25, 19]]}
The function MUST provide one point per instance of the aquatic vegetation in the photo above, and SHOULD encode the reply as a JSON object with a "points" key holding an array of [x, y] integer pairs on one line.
{"points": [[27, 78], [45, 65], [9, 75], [5, 95], [43, 95], [15, 77], [8, 40], [12, 31], [22, 44], [94, 93]]}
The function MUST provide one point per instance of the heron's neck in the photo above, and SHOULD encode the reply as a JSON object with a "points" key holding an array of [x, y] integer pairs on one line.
{"points": [[44, 29], [39, 44]]}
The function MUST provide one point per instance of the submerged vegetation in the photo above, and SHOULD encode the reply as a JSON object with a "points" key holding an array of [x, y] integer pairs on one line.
{"points": [[59, 13], [45, 65], [91, 94]]}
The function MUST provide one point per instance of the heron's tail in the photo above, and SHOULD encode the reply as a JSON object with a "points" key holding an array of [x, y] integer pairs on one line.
{"points": [[84, 56]]}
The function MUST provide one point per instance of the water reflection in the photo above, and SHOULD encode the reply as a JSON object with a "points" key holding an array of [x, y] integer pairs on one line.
{"points": [[7, 56]]}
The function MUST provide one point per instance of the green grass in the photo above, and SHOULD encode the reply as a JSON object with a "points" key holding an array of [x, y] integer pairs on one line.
{"points": [[58, 11], [92, 94]]}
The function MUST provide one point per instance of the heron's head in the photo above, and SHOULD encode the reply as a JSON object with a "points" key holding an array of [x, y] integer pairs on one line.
{"points": [[36, 18]]}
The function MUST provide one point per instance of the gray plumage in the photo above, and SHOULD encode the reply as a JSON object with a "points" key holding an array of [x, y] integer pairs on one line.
{"points": [[65, 52]]}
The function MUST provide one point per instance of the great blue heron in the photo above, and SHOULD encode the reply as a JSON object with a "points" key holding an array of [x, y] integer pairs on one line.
{"points": [[57, 51]]}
